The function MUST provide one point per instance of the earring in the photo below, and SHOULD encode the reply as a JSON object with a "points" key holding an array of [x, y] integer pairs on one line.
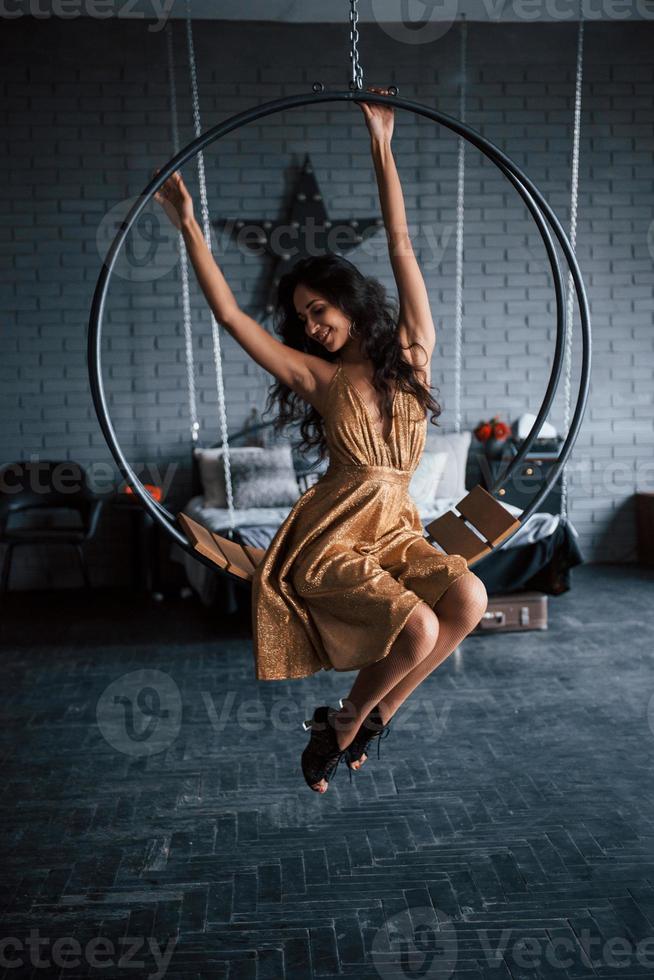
{"points": [[349, 330]]}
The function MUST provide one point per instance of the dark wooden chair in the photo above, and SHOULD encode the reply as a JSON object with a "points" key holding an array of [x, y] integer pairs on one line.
{"points": [[41, 489]]}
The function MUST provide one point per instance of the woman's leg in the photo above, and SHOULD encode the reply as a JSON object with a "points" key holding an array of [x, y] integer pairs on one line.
{"points": [[458, 612], [415, 641]]}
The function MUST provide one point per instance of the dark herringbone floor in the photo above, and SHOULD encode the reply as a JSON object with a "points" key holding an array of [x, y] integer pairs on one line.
{"points": [[153, 803]]}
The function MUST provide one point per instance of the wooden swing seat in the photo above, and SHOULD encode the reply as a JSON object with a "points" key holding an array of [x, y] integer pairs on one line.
{"points": [[479, 510], [236, 559], [480, 526]]}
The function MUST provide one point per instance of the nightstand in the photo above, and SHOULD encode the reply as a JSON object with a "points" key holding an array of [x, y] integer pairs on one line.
{"points": [[145, 540], [526, 481]]}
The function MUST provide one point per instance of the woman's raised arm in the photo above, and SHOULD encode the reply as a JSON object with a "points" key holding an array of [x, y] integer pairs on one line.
{"points": [[292, 367], [416, 322]]}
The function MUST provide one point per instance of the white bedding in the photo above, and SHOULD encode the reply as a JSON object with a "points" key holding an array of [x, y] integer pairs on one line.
{"points": [[539, 525]]}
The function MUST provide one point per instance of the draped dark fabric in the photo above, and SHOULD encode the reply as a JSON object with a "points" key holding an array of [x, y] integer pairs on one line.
{"points": [[543, 566]]}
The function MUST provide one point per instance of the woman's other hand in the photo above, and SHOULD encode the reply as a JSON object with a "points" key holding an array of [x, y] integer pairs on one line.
{"points": [[175, 199], [379, 118]]}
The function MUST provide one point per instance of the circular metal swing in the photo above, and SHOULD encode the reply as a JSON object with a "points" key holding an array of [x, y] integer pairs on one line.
{"points": [[453, 532]]}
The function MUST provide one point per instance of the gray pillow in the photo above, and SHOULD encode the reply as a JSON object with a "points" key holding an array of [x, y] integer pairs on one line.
{"points": [[265, 479], [212, 471]]}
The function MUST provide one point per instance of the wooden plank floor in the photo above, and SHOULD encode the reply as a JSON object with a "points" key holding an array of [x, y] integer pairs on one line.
{"points": [[153, 805]]}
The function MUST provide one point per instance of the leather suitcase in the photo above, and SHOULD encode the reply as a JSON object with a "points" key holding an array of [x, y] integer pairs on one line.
{"points": [[518, 612], [645, 527]]}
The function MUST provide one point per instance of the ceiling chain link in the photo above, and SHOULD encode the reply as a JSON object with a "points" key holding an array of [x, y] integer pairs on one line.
{"points": [[356, 81]]}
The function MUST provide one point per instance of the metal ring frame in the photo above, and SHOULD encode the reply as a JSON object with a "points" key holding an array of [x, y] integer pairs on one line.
{"points": [[531, 196]]}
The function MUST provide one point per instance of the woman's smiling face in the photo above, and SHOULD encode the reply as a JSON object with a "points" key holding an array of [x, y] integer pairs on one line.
{"points": [[326, 324]]}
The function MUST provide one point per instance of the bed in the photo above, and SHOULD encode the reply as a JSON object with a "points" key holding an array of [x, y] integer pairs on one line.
{"points": [[268, 479]]}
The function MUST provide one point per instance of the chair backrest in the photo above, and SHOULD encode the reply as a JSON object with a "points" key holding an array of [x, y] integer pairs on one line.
{"points": [[31, 484]]}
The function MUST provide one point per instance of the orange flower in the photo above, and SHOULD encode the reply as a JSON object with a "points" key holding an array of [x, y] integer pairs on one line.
{"points": [[483, 431], [500, 430]]}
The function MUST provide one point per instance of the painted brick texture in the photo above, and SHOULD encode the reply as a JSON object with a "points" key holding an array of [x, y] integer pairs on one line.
{"points": [[85, 119]]}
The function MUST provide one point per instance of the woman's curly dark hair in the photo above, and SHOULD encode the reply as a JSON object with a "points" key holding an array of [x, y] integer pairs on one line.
{"points": [[376, 315]]}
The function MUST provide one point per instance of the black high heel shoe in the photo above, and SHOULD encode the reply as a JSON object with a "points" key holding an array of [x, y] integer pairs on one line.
{"points": [[372, 727], [322, 755]]}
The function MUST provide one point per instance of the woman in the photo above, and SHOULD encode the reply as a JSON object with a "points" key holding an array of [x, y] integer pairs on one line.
{"points": [[349, 582]]}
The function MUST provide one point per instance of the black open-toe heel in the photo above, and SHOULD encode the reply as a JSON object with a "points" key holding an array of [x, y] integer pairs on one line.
{"points": [[322, 755], [372, 727]]}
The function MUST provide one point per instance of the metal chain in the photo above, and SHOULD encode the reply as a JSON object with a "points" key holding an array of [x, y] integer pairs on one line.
{"points": [[574, 198], [356, 80], [460, 214], [183, 257], [206, 229]]}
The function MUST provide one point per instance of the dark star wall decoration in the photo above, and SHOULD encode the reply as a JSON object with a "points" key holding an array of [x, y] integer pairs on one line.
{"points": [[306, 231]]}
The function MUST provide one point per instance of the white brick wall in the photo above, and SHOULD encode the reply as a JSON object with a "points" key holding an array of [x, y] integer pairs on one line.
{"points": [[85, 120]]}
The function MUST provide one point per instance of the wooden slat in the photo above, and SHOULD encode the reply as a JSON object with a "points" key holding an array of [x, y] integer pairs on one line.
{"points": [[455, 538], [487, 515], [202, 540], [255, 554], [238, 561]]}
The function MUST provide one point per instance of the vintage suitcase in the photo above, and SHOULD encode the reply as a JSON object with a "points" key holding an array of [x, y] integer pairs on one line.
{"points": [[520, 611], [645, 527]]}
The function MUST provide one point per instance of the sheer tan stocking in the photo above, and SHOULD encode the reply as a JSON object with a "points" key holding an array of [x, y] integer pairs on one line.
{"points": [[389, 682], [412, 645], [459, 611]]}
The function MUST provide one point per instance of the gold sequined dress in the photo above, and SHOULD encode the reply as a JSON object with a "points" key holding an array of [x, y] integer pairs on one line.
{"points": [[350, 561]]}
